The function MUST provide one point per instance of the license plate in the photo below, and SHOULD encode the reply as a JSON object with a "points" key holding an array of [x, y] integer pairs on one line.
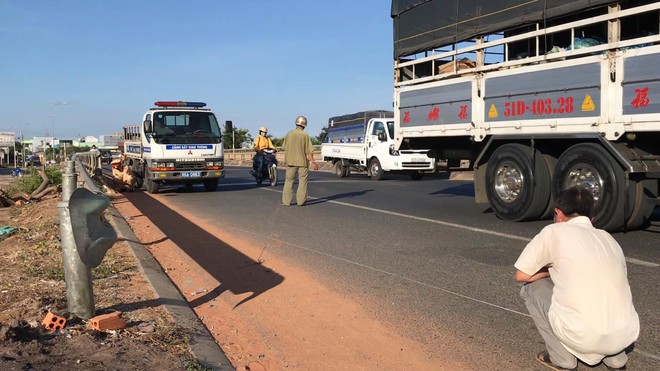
{"points": [[191, 174], [418, 159]]}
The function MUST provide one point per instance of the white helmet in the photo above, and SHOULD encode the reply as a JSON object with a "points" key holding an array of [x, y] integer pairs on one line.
{"points": [[264, 129], [301, 121]]}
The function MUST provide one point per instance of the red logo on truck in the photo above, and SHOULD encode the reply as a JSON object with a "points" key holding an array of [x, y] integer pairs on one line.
{"points": [[642, 98], [406, 117], [434, 115], [463, 114]]}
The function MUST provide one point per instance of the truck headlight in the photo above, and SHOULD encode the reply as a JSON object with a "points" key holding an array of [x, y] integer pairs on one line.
{"points": [[393, 152]]}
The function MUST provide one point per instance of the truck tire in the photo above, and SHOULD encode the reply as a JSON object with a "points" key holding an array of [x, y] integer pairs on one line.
{"points": [[211, 185], [375, 170], [139, 175], [416, 175], [518, 183], [339, 169], [590, 166], [643, 207], [150, 185], [551, 163]]}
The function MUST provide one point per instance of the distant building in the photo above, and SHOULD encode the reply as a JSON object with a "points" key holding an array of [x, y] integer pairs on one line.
{"points": [[109, 140]]}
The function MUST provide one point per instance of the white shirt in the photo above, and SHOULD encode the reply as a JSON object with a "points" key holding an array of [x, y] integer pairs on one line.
{"points": [[591, 311]]}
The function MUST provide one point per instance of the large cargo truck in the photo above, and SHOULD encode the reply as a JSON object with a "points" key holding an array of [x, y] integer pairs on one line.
{"points": [[539, 97], [177, 143], [365, 141]]}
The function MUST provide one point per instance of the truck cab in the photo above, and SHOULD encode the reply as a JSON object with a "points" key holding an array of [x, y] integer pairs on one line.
{"points": [[365, 142], [178, 142]]}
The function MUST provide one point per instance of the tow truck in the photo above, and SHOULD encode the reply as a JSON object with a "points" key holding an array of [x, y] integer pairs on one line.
{"points": [[177, 143]]}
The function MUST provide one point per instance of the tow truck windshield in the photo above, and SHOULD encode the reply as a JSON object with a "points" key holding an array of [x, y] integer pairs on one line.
{"points": [[182, 127]]}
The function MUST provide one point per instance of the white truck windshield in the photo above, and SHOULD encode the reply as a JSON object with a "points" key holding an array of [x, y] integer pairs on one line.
{"points": [[173, 126]]}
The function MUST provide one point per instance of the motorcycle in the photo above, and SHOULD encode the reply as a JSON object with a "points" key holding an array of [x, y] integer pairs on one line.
{"points": [[269, 168]]}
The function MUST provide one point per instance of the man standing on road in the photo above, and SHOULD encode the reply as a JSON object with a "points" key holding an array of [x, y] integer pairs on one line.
{"points": [[297, 155], [576, 289]]}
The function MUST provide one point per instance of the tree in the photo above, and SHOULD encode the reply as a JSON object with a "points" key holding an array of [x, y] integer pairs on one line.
{"points": [[242, 137], [321, 137], [277, 142]]}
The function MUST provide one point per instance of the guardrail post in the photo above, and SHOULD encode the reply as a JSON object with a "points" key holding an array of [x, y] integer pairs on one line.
{"points": [[78, 277]]}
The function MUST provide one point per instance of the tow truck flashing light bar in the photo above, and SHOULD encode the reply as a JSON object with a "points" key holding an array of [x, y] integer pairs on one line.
{"points": [[179, 104]]}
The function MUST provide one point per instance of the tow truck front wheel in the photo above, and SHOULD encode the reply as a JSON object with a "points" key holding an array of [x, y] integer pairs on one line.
{"points": [[211, 185], [150, 185]]}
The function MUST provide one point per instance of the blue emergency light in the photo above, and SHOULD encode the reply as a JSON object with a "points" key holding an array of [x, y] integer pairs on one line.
{"points": [[179, 104]]}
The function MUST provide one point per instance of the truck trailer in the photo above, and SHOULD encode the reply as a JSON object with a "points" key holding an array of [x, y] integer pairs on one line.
{"points": [[365, 141], [177, 143], [538, 96]]}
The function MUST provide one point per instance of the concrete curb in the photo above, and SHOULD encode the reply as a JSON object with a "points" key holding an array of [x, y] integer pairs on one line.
{"points": [[202, 344]]}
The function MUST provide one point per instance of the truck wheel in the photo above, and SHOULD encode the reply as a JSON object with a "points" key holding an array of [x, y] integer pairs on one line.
{"points": [[590, 166], [551, 163], [347, 171], [518, 183], [272, 174], [211, 185], [643, 207], [150, 185], [417, 175], [339, 169], [139, 180], [375, 170]]}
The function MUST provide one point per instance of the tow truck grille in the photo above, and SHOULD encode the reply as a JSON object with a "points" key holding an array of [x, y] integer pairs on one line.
{"points": [[189, 166]]}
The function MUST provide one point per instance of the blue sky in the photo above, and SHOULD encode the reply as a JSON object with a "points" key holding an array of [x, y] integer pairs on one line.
{"points": [[255, 62]]}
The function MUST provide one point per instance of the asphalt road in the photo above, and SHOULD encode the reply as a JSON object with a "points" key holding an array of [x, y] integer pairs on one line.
{"points": [[421, 254]]}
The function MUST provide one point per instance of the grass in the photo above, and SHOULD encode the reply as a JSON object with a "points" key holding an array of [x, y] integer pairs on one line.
{"points": [[29, 183]]}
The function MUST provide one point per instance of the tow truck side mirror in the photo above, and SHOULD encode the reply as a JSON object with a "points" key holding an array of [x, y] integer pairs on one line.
{"points": [[382, 137], [229, 127], [148, 126]]}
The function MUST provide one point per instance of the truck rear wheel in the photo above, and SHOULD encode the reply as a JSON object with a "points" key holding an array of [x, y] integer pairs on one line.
{"points": [[518, 183], [643, 207], [590, 166], [339, 169], [375, 170]]}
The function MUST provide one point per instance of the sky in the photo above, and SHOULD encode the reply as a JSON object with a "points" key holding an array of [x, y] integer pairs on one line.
{"points": [[81, 67]]}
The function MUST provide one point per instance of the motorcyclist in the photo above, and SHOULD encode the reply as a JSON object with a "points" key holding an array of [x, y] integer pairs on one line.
{"points": [[260, 143]]}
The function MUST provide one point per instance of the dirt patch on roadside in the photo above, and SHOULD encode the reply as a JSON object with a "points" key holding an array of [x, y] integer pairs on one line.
{"points": [[32, 282], [266, 313]]}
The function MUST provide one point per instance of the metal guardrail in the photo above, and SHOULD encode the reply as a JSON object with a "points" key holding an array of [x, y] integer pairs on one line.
{"points": [[85, 237], [246, 154]]}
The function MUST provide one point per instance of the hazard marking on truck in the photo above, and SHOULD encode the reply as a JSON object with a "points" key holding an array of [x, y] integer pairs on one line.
{"points": [[492, 113], [588, 104]]}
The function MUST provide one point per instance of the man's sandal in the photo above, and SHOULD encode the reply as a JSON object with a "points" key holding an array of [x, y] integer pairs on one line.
{"points": [[544, 358]]}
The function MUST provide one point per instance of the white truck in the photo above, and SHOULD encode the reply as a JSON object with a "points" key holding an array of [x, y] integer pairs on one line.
{"points": [[539, 97], [178, 142], [365, 141]]}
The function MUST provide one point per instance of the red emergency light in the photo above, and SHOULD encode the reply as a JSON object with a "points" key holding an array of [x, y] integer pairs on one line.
{"points": [[179, 104]]}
